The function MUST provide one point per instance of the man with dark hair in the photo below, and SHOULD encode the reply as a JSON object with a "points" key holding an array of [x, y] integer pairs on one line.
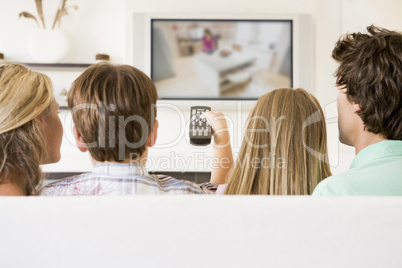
{"points": [[369, 79]]}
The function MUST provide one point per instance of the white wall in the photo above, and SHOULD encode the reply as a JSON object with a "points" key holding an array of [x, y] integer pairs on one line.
{"points": [[96, 27], [102, 27]]}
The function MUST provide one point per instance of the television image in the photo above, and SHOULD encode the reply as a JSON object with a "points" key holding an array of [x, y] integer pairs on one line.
{"points": [[220, 59]]}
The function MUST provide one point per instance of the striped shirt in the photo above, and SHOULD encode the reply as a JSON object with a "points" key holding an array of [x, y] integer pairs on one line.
{"points": [[123, 179]]}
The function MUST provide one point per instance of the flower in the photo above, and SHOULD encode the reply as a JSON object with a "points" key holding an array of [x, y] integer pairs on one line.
{"points": [[61, 11]]}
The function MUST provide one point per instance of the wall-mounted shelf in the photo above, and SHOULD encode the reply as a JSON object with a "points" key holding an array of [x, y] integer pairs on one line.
{"points": [[62, 75], [58, 65]]}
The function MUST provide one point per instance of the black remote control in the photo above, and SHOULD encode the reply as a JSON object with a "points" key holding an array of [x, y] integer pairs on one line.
{"points": [[200, 130]]}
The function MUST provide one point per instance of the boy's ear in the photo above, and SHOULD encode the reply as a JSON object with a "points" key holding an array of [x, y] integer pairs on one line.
{"points": [[79, 141], [153, 135]]}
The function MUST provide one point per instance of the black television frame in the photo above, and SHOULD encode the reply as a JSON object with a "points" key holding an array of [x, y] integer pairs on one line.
{"points": [[152, 20]]}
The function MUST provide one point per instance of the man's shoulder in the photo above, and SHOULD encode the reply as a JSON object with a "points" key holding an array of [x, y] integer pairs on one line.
{"points": [[337, 184], [368, 179]]}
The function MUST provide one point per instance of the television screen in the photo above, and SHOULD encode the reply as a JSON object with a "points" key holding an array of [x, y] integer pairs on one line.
{"points": [[220, 59]]}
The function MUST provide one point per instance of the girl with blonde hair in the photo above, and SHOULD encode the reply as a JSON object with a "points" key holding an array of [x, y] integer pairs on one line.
{"points": [[284, 151], [30, 129]]}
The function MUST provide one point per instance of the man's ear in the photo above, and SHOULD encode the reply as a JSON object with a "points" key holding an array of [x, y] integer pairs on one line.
{"points": [[356, 107], [79, 141], [153, 135]]}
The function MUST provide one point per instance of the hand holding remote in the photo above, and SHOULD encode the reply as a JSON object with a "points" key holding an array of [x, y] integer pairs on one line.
{"points": [[222, 150], [219, 127]]}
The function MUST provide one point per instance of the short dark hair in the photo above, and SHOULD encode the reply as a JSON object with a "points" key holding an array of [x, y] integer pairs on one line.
{"points": [[371, 70], [120, 92]]}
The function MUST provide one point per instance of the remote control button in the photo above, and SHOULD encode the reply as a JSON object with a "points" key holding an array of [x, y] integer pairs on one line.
{"points": [[199, 132], [193, 123], [205, 133], [194, 132], [194, 111]]}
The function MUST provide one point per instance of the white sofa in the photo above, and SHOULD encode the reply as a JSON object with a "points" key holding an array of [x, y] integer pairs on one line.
{"points": [[200, 231]]}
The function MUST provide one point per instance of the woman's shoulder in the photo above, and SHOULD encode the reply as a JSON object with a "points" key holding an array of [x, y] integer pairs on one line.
{"points": [[221, 189], [9, 189]]}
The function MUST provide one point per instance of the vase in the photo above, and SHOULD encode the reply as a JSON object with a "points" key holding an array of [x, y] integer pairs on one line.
{"points": [[48, 46]]}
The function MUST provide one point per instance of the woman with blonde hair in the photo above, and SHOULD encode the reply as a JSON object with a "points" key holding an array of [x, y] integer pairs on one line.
{"points": [[284, 151], [30, 129]]}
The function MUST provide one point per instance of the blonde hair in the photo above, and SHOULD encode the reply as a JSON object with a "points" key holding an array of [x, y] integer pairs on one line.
{"points": [[284, 151], [24, 95]]}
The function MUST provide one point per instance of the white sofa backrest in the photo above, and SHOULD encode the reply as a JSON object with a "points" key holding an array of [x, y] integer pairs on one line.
{"points": [[200, 231]]}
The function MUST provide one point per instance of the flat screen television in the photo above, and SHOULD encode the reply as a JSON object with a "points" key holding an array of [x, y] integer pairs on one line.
{"points": [[223, 57]]}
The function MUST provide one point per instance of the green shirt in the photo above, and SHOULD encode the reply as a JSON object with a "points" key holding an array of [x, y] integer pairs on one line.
{"points": [[376, 170]]}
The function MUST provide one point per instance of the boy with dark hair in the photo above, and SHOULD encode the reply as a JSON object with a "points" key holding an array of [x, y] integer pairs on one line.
{"points": [[114, 112], [369, 78]]}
